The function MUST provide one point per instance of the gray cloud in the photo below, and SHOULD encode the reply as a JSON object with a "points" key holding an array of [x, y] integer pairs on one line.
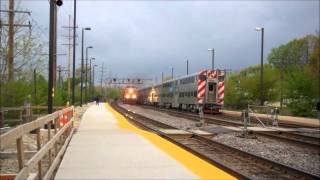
{"points": [[146, 38]]}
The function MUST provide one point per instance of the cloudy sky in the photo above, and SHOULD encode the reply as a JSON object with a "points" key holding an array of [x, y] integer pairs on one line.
{"points": [[143, 38]]}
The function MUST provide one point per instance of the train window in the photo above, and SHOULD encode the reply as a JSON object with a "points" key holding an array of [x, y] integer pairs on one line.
{"points": [[202, 77], [210, 87]]}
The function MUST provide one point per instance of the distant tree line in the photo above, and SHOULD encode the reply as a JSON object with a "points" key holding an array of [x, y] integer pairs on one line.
{"points": [[291, 79]]}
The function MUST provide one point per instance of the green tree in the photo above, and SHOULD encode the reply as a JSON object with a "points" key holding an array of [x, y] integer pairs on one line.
{"points": [[243, 88], [299, 63], [113, 93]]}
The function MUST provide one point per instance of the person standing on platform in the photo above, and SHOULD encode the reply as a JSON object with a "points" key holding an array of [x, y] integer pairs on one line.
{"points": [[97, 100]]}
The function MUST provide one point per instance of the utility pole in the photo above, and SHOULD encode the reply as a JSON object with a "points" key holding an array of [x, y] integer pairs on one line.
{"points": [[86, 69], [11, 25], [69, 37], [60, 81], [74, 51], [35, 86], [1, 65], [10, 40], [101, 80], [52, 54]]}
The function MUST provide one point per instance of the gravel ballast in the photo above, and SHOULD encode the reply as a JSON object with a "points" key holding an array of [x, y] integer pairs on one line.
{"points": [[305, 159]]}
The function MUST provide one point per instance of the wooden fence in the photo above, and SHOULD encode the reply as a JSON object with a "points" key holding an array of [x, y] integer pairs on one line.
{"points": [[53, 149], [26, 113]]}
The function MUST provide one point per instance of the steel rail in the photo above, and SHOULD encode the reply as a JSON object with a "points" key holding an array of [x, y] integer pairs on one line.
{"points": [[240, 164], [290, 137]]}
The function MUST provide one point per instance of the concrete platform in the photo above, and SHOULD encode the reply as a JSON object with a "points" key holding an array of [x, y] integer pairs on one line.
{"points": [[175, 132], [106, 146], [202, 133]]}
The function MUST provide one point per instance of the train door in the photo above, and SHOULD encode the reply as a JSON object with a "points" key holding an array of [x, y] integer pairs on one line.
{"points": [[175, 94], [212, 92]]}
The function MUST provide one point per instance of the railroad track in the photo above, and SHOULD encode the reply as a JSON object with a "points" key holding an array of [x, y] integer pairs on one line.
{"points": [[290, 137], [238, 163]]}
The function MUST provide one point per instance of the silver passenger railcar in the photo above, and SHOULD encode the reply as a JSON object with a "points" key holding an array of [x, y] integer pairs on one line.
{"points": [[181, 93]]}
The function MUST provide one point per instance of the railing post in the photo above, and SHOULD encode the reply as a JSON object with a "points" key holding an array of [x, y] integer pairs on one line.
{"points": [[20, 152], [55, 122], [1, 118], [38, 148], [49, 137]]}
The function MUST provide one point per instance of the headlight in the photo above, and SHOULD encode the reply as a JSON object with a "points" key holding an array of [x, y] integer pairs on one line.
{"points": [[130, 90], [127, 96], [134, 96]]}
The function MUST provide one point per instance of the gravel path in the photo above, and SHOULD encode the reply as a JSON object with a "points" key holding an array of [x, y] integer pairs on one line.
{"points": [[286, 153]]}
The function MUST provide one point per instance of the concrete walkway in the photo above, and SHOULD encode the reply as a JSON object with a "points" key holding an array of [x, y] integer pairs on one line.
{"points": [[101, 150]]}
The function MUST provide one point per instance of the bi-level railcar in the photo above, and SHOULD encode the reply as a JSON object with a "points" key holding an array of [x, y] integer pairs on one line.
{"points": [[204, 89]]}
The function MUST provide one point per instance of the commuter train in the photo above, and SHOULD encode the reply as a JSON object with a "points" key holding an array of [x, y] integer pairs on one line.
{"points": [[204, 89], [130, 95]]}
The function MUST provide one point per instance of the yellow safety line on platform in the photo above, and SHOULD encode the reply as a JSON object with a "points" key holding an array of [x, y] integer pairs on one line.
{"points": [[195, 164]]}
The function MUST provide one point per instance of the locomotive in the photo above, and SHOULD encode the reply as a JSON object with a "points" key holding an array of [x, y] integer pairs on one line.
{"points": [[204, 89], [130, 95]]}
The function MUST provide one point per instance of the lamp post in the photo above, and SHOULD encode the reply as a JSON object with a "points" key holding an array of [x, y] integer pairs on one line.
{"points": [[90, 80], [81, 74], [86, 93], [212, 65], [261, 68], [187, 66], [171, 72], [93, 76]]}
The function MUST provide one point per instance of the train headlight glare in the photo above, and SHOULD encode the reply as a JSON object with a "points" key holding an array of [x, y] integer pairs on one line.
{"points": [[127, 96], [130, 90], [134, 96]]}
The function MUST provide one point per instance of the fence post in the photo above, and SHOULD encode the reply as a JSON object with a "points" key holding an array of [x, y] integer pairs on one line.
{"points": [[20, 152], [1, 118], [49, 138], [38, 148]]}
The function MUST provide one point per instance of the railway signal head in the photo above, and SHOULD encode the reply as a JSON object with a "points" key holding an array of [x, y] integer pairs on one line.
{"points": [[59, 2]]}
